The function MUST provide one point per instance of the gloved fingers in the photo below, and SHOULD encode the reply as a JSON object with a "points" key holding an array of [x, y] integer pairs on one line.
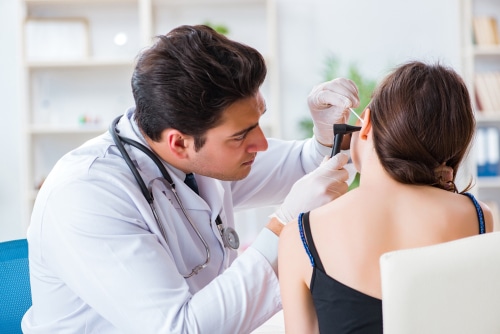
{"points": [[338, 84], [342, 85], [338, 92], [345, 115], [334, 186], [336, 175], [333, 173], [336, 162], [344, 100], [322, 185]]}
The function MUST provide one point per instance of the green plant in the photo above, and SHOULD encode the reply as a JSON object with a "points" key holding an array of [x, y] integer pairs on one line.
{"points": [[220, 28]]}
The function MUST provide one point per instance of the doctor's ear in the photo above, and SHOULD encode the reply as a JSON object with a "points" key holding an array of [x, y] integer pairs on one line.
{"points": [[177, 142]]}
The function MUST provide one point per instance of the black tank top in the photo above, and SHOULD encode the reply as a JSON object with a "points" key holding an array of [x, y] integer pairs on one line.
{"points": [[340, 308]]}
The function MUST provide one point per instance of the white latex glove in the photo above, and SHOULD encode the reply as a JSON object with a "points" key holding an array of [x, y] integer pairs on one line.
{"points": [[328, 103], [322, 185]]}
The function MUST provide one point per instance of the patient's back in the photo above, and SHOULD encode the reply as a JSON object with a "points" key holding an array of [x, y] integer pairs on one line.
{"points": [[352, 232]]}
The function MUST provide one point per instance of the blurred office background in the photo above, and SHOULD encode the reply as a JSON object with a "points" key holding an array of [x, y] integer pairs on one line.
{"points": [[372, 35]]}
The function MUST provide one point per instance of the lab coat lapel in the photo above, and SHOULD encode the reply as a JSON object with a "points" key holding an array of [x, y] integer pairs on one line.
{"points": [[190, 199], [213, 193]]}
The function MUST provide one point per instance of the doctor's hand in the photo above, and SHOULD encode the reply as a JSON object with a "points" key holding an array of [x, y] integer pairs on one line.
{"points": [[322, 185], [328, 103]]}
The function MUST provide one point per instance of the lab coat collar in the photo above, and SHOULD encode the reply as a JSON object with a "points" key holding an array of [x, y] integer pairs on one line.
{"points": [[129, 128]]}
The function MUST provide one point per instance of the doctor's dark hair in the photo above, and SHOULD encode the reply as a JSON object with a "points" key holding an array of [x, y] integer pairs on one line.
{"points": [[188, 77], [422, 118]]}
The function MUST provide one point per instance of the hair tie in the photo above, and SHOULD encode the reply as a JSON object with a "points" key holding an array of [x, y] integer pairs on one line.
{"points": [[444, 175]]}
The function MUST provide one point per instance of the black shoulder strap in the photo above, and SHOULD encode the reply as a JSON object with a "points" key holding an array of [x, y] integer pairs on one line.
{"points": [[310, 242], [479, 211]]}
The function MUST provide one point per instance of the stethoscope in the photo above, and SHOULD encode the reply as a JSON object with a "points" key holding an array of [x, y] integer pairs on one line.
{"points": [[229, 236]]}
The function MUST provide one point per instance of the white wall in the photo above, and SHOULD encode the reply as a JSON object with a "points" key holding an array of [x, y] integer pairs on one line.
{"points": [[375, 35], [10, 134]]}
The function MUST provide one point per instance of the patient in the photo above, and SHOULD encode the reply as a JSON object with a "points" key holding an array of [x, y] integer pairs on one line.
{"points": [[419, 122]]}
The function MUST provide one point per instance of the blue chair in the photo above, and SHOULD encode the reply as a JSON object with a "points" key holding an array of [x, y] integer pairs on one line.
{"points": [[15, 291]]}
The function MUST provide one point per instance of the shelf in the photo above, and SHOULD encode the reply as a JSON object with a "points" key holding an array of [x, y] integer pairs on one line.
{"points": [[488, 116], [76, 2], [66, 129], [488, 182], [178, 3], [479, 62], [79, 63], [493, 50]]}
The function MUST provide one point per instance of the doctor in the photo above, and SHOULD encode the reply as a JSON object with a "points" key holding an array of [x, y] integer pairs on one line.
{"points": [[119, 243]]}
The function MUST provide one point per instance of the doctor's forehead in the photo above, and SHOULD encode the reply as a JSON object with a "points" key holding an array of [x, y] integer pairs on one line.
{"points": [[261, 103], [242, 114]]}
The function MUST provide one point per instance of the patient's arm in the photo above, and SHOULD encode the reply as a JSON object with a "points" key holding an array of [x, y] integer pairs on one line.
{"points": [[295, 272]]}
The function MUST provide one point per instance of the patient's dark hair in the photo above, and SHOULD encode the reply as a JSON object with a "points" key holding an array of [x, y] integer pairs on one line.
{"points": [[422, 118], [189, 77]]}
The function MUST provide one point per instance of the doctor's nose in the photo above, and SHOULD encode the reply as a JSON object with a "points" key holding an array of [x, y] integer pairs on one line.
{"points": [[257, 141]]}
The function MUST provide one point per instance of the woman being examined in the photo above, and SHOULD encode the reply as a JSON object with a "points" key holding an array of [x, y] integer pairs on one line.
{"points": [[414, 136]]}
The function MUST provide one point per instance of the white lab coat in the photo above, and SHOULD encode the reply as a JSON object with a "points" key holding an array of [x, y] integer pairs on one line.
{"points": [[99, 263]]}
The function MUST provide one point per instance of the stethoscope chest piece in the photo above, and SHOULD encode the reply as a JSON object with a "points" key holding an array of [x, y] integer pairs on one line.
{"points": [[230, 238]]}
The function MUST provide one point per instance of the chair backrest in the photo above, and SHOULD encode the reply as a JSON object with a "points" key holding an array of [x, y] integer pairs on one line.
{"points": [[15, 293], [452, 287]]}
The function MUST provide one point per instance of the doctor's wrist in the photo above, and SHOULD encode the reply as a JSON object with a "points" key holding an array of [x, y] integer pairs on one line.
{"points": [[275, 225]]}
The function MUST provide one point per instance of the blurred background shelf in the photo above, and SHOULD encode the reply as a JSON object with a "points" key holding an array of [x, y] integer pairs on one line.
{"points": [[79, 57], [481, 54]]}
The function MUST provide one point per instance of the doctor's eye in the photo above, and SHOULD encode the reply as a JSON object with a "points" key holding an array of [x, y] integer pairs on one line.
{"points": [[242, 137]]}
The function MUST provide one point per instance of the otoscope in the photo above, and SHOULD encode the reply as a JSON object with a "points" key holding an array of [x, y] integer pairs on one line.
{"points": [[339, 130]]}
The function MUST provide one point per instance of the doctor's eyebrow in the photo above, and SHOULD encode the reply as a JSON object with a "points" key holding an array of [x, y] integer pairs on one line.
{"points": [[244, 131], [250, 128]]}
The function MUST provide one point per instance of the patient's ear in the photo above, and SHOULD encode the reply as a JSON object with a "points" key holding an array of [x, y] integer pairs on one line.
{"points": [[366, 127]]}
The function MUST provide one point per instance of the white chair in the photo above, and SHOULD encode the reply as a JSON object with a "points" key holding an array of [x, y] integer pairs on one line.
{"points": [[452, 287]]}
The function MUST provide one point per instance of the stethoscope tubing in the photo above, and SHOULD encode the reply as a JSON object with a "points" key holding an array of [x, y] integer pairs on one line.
{"points": [[167, 180]]}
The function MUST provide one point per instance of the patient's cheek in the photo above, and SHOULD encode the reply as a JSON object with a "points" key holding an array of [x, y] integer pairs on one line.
{"points": [[354, 152]]}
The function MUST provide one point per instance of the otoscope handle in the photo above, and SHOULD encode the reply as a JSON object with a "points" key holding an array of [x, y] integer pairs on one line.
{"points": [[337, 141], [339, 130]]}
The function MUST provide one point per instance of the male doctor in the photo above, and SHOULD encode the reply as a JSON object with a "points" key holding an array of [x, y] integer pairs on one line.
{"points": [[120, 244]]}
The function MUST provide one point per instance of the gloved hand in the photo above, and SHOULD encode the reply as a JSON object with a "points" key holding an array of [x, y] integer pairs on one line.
{"points": [[316, 188], [328, 103]]}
